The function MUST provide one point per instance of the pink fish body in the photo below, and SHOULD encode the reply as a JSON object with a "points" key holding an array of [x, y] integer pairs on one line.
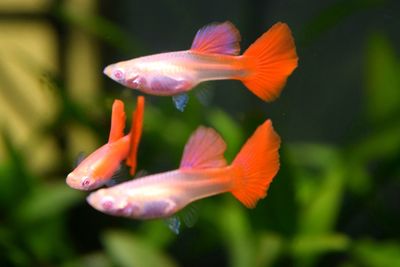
{"points": [[99, 167], [203, 172], [263, 68]]}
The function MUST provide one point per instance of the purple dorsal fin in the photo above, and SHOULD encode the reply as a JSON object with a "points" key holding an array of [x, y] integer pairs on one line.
{"points": [[205, 149], [217, 38]]}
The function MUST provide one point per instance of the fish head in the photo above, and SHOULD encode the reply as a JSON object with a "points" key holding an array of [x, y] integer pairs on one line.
{"points": [[112, 202], [81, 180], [116, 72], [127, 73]]}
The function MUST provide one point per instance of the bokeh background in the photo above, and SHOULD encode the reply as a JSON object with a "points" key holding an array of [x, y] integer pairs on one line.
{"points": [[335, 201]]}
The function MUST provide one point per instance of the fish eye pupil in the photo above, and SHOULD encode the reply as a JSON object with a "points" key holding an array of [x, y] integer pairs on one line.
{"points": [[86, 182], [107, 204], [118, 74]]}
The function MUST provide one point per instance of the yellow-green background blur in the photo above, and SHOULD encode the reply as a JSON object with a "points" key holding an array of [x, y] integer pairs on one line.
{"points": [[335, 200]]}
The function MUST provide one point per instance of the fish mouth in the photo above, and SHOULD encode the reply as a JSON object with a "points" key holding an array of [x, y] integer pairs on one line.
{"points": [[107, 71]]}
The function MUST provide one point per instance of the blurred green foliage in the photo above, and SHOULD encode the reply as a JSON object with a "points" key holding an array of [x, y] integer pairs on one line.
{"points": [[330, 205]]}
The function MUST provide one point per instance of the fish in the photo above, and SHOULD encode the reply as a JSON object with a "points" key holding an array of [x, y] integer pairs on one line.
{"points": [[214, 55], [203, 172], [98, 168]]}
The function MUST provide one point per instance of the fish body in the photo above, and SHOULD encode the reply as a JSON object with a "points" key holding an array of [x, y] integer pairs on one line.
{"points": [[162, 195], [99, 167], [203, 172], [214, 55], [173, 73]]}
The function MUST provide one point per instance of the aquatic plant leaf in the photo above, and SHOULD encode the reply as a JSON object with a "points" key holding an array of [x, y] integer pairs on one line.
{"points": [[377, 254], [382, 79], [128, 250], [271, 246], [319, 187], [46, 201], [311, 244], [229, 130], [97, 259], [236, 230]]}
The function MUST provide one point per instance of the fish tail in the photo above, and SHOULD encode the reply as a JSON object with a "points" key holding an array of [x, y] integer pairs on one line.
{"points": [[135, 134], [256, 165], [270, 61]]}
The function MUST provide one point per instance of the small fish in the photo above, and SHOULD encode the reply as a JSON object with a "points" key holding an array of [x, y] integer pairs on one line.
{"points": [[263, 68], [98, 168], [203, 172]]}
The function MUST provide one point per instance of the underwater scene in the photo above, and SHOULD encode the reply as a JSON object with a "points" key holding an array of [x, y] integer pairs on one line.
{"points": [[200, 133]]}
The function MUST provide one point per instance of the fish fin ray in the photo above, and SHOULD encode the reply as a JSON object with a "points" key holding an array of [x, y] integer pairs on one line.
{"points": [[205, 149], [271, 59], [174, 224], [256, 165], [81, 157], [204, 94], [117, 121], [135, 134], [190, 215], [217, 38], [180, 101]]}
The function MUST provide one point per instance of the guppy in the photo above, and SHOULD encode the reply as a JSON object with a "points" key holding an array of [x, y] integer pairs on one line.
{"points": [[203, 172], [98, 168], [214, 55]]}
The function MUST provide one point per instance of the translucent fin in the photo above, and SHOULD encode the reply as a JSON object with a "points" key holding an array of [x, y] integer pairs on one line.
{"points": [[256, 165], [173, 224], [81, 157], [271, 59], [180, 101], [204, 94], [141, 173], [117, 121], [217, 38], [190, 215], [136, 134], [118, 176], [205, 149]]}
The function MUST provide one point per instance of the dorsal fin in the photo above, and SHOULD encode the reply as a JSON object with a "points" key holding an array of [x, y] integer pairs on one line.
{"points": [[136, 133], [205, 149], [117, 121], [217, 38]]}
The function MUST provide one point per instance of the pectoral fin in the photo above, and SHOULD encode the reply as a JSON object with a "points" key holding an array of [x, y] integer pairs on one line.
{"points": [[180, 101]]}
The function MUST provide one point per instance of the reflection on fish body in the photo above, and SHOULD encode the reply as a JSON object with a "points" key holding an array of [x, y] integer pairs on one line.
{"points": [[203, 172], [214, 55], [98, 168]]}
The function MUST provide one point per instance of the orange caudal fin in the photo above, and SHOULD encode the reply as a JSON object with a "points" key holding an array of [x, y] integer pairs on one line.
{"points": [[117, 121], [256, 165], [271, 59], [205, 149], [136, 133]]}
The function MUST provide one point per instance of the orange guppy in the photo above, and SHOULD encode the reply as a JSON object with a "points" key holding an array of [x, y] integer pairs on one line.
{"points": [[99, 167], [203, 172], [214, 55]]}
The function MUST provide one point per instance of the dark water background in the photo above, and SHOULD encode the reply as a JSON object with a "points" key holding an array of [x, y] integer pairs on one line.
{"points": [[335, 201]]}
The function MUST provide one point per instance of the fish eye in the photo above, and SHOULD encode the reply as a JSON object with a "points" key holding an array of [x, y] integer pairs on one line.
{"points": [[107, 203], [118, 74], [86, 182]]}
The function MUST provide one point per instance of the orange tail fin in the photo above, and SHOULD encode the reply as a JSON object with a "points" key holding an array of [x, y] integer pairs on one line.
{"points": [[257, 164], [271, 59], [117, 121], [136, 133]]}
